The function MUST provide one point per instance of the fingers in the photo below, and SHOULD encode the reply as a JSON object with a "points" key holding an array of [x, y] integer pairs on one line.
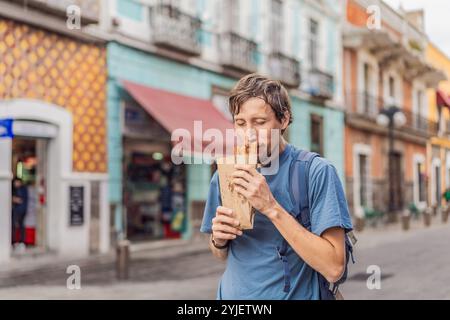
{"points": [[243, 191], [224, 211], [242, 174], [247, 168], [225, 229], [224, 236], [240, 182], [224, 225], [226, 220]]}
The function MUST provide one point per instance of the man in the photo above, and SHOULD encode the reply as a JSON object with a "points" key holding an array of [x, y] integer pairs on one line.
{"points": [[254, 270], [19, 212]]}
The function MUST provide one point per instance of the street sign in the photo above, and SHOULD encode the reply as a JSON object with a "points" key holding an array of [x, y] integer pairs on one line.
{"points": [[6, 128]]}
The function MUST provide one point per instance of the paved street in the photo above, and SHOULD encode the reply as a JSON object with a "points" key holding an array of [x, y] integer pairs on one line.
{"points": [[414, 265]]}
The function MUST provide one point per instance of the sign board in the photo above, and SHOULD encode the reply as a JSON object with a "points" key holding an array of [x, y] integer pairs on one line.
{"points": [[76, 205], [6, 128]]}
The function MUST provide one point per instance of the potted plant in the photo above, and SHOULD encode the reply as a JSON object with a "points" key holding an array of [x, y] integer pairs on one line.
{"points": [[406, 218], [445, 212], [427, 216]]}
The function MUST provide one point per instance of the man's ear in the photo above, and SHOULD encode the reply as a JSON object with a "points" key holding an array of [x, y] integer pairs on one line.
{"points": [[285, 122]]}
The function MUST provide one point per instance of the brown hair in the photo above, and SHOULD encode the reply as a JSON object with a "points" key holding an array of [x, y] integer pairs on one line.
{"points": [[271, 91]]}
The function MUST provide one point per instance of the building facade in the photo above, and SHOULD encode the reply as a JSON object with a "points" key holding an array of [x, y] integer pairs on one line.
{"points": [[384, 67], [195, 51], [52, 96], [438, 148]]}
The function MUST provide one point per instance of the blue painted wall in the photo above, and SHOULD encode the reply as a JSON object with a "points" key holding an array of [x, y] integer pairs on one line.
{"points": [[140, 67], [333, 122]]}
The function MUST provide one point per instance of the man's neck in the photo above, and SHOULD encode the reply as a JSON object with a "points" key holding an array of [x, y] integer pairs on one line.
{"points": [[282, 145]]}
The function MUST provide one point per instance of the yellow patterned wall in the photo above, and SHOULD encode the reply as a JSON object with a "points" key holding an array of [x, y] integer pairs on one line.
{"points": [[37, 64]]}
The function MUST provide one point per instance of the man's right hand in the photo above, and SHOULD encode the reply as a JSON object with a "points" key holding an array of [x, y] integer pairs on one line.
{"points": [[224, 226]]}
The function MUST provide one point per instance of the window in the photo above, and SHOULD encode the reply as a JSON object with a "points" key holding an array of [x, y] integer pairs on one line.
{"points": [[313, 43], [368, 103], [421, 181], [232, 13], [438, 184], [363, 180], [276, 25], [419, 102], [317, 134], [391, 88]]}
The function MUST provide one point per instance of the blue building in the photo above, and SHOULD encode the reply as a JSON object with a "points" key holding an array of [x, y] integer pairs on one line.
{"points": [[166, 53]]}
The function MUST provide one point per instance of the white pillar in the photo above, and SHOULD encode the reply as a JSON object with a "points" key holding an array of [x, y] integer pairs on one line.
{"points": [[5, 199], [104, 218]]}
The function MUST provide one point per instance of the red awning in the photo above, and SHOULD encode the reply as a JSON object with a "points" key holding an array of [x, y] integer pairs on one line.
{"points": [[442, 99], [174, 111]]}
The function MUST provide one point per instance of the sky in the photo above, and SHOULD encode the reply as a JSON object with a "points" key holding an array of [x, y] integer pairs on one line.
{"points": [[437, 19]]}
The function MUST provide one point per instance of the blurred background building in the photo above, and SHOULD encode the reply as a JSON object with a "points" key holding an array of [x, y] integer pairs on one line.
{"points": [[90, 94], [53, 91], [166, 57], [388, 123]]}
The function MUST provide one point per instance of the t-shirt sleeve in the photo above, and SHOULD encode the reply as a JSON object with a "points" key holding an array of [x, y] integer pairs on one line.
{"points": [[212, 203], [327, 199]]}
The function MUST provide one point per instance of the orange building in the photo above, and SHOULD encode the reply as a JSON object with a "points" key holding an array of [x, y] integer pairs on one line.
{"points": [[385, 69], [52, 96], [439, 145]]}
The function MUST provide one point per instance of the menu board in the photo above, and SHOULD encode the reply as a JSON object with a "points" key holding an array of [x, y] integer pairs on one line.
{"points": [[76, 203]]}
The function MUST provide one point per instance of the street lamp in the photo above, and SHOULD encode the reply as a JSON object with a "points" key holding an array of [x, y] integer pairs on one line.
{"points": [[391, 117]]}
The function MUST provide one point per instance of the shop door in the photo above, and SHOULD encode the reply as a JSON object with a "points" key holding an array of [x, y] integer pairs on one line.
{"points": [[29, 164], [397, 180]]}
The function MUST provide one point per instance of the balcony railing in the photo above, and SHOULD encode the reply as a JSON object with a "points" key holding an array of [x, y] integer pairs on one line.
{"points": [[320, 84], [237, 52], [368, 106], [421, 124], [175, 29], [89, 9], [285, 69]]}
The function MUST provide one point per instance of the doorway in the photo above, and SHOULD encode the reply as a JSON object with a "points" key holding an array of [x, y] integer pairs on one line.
{"points": [[29, 165]]}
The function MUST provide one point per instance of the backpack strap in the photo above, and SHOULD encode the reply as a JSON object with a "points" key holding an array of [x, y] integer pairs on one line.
{"points": [[299, 176], [300, 186]]}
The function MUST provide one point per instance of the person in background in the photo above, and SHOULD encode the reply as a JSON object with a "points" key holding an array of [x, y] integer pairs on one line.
{"points": [[19, 212]]}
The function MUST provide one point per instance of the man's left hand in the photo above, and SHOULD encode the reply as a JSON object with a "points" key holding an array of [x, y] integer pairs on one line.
{"points": [[253, 186]]}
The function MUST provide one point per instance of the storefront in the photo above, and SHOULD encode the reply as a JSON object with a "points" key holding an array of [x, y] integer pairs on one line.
{"points": [[52, 99], [153, 187], [161, 96]]}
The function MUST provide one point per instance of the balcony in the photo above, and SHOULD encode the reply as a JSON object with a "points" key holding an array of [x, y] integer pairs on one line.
{"points": [[90, 9], [174, 29], [320, 84], [237, 52], [420, 124], [365, 106], [285, 69]]}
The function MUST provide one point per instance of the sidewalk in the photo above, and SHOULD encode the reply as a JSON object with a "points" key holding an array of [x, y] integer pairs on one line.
{"points": [[48, 263]]}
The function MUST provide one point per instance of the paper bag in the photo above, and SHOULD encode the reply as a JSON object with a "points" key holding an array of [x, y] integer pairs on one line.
{"points": [[230, 198]]}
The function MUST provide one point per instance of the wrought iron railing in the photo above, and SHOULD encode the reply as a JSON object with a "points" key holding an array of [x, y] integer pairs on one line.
{"points": [[175, 29], [285, 68], [237, 52]]}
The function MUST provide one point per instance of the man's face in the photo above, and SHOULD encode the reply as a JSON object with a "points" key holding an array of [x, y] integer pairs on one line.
{"points": [[256, 114]]}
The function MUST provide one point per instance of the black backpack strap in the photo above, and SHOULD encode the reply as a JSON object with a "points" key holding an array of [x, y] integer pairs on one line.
{"points": [[299, 176]]}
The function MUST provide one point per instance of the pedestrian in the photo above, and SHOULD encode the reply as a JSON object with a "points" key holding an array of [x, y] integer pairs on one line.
{"points": [[19, 212], [256, 266]]}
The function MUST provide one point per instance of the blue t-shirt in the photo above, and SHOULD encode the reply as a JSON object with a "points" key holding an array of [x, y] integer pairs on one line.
{"points": [[253, 269]]}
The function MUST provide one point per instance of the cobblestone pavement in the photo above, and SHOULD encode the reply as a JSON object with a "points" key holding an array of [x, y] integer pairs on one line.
{"points": [[414, 265]]}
